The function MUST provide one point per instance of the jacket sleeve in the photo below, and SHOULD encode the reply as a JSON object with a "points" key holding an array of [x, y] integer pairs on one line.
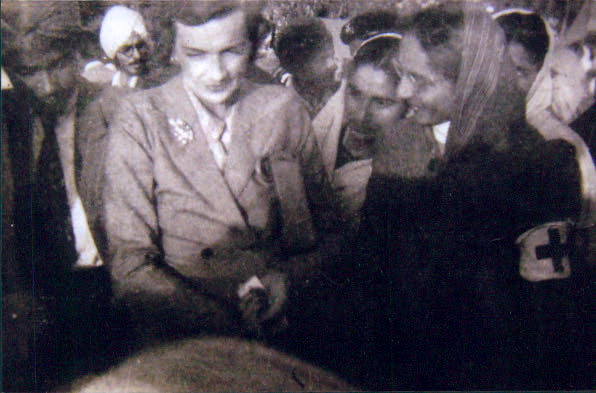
{"points": [[319, 192], [554, 191], [150, 289], [323, 203]]}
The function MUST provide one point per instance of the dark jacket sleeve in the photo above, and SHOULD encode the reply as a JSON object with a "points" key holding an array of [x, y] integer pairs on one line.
{"points": [[487, 199], [91, 141], [152, 290], [551, 181]]}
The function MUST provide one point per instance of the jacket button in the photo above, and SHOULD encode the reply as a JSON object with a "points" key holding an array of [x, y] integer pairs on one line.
{"points": [[207, 253]]}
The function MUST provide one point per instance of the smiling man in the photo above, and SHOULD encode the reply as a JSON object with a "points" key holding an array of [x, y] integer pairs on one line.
{"points": [[125, 41], [210, 183], [365, 108], [305, 50]]}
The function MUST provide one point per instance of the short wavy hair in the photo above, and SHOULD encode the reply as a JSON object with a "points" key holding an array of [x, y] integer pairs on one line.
{"points": [[300, 42], [439, 30], [194, 13], [381, 53], [364, 26]]}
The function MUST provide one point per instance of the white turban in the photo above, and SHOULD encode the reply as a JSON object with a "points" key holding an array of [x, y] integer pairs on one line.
{"points": [[117, 26]]}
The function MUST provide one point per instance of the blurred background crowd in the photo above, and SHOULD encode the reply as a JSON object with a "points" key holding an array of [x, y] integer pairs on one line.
{"points": [[66, 66]]}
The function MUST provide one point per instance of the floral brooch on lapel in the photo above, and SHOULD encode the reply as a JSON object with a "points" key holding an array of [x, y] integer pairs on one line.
{"points": [[181, 130]]}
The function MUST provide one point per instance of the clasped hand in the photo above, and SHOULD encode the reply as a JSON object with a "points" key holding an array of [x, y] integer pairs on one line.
{"points": [[262, 305]]}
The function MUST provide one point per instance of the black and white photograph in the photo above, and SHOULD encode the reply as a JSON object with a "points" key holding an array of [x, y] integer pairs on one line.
{"points": [[298, 195]]}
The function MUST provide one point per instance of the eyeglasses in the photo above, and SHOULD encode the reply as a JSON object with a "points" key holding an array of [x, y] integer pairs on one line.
{"points": [[129, 50], [402, 74], [416, 80], [407, 76]]}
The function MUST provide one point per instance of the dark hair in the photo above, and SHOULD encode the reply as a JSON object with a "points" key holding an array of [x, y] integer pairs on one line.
{"points": [[366, 25], [300, 42], [41, 36], [194, 13], [528, 30], [434, 27], [380, 53], [439, 30]]}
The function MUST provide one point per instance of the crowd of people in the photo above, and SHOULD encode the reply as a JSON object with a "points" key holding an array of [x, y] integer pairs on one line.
{"points": [[406, 202]]}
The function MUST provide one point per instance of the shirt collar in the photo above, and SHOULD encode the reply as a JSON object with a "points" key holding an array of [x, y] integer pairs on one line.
{"points": [[120, 80], [212, 126], [6, 83], [440, 132]]}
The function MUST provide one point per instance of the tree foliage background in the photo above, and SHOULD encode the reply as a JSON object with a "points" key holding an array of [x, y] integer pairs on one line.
{"points": [[279, 12]]}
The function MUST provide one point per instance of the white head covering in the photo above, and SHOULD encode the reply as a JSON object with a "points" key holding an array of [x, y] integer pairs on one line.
{"points": [[550, 120], [118, 25]]}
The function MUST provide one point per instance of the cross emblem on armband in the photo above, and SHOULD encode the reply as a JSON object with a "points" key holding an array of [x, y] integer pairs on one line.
{"points": [[545, 251], [554, 250]]}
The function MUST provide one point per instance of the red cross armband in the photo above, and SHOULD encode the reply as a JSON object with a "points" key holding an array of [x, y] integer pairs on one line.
{"points": [[544, 251]]}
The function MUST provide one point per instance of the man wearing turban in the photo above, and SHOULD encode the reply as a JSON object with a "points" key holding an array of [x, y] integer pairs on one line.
{"points": [[125, 41]]}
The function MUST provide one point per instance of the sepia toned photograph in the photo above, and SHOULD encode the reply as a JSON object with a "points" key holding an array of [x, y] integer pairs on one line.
{"points": [[298, 195]]}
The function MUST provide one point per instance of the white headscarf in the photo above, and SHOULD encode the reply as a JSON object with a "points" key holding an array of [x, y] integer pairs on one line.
{"points": [[549, 119], [118, 25], [476, 89], [559, 93]]}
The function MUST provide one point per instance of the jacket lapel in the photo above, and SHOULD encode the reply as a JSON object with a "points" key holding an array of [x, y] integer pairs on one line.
{"points": [[207, 180], [241, 161]]}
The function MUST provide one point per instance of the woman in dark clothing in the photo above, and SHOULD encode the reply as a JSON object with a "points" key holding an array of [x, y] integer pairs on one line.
{"points": [[462, 307]]}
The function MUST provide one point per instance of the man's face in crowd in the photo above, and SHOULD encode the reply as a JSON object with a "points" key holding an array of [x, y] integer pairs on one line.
{"points": [[214, 56], [372, 104], [46, 83], [525, 70], [322, 67], [54, 85], [574, 79], [429, 94], [132, 56], [586, 55], [265, 57]]}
